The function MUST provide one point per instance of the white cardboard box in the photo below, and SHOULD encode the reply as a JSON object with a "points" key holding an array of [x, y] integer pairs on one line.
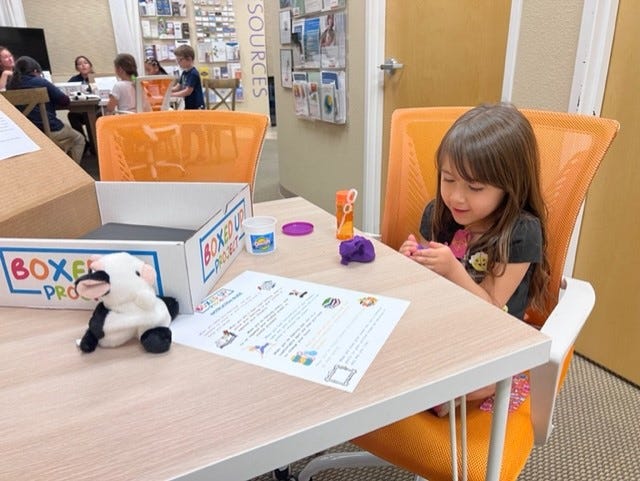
{"points": [[41, 272]]}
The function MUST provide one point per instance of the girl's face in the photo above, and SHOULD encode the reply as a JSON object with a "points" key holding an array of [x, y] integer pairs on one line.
{"points": [[471, 204], [83, 66], [6, 60], [150, 69]]}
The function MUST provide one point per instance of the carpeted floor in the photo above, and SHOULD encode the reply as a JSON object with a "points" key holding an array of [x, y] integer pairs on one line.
{"points": [[596, 435]]}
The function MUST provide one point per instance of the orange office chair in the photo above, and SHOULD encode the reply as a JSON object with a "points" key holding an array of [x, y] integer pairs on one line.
{"points": [[153, 92], [571, 149], [181, 145]]}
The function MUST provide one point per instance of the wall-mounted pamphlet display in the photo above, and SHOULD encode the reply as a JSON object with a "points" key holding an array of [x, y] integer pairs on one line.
{"points": [[316, 33]]}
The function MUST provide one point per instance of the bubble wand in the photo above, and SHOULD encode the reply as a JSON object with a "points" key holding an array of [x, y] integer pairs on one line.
{"points": [[347, 208]]}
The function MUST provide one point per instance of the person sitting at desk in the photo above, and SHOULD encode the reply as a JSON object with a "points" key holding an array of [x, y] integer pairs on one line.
{"points": [[123, 94], [6, 66], [79, 120], [153, 67], [27, 74]]}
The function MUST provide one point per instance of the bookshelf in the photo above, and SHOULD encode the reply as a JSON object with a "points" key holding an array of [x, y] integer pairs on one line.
{"points": [[209, 26], [164, 25]]}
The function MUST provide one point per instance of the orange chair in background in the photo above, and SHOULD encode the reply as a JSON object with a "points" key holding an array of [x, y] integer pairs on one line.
{"points": [[153, 92], [571, 148], [181, 145]]}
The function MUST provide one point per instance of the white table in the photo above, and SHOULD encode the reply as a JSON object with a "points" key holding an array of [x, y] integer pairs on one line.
{"points": [[122, 414]]}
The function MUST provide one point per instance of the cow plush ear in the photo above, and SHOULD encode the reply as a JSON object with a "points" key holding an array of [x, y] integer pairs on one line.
{"points": [[148, 273], [93, 259]]}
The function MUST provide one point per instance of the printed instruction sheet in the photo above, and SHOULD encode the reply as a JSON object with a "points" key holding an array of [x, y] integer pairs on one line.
{"points": [[13, 140], [317, 332]]}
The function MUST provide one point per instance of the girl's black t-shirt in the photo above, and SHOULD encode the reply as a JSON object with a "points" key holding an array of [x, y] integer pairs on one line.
{"points": [[525, 246]]}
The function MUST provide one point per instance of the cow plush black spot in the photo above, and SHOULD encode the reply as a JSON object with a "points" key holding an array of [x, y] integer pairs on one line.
{"points": [[129, 307]]}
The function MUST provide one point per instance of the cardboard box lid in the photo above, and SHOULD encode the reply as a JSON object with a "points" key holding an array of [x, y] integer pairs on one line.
{"points": [[44, 192]]}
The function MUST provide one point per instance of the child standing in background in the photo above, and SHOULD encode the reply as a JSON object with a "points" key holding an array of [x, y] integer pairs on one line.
{"points": [[190, 86], [123, 93], [486, 226]]}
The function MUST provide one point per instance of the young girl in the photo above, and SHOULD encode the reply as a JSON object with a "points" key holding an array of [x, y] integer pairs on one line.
{"points": [[123, 94], [153, 67], [486, 226]]}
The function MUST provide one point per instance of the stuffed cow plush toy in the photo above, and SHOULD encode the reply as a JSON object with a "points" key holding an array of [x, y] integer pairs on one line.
{"points": [[129, 306]]}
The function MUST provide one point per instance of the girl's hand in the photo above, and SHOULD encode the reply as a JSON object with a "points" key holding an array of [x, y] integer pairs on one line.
{"points": [[409, 246], [437, 257]]}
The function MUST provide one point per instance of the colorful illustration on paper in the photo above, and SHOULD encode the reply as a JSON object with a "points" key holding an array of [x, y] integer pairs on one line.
{"points": [[227, 338], [368, 301], [305, 358], [297, 293], [320, 333], [261, 348], [214, 300], [331, 303]]}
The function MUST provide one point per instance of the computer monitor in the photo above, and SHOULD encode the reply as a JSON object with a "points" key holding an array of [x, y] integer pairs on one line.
{"points": [[26, 41]]}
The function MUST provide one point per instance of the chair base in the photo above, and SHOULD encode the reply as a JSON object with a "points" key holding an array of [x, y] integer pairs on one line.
{"points": [[359, 459]]}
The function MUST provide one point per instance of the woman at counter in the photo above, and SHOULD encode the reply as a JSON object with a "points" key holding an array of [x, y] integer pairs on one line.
{"points": [[77, 120]]}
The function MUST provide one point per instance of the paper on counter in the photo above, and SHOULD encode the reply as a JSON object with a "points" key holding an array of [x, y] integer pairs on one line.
{"points": [[13, 140]]}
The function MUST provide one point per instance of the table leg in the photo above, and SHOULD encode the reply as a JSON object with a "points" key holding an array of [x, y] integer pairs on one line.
{"points": [[498, 428], [91, 116]]}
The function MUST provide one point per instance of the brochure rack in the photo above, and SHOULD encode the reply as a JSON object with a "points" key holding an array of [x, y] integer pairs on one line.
{"points": [[314, 64]]}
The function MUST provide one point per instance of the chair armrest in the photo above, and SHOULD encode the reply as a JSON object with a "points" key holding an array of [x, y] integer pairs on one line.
{"points": [[563, 326]]}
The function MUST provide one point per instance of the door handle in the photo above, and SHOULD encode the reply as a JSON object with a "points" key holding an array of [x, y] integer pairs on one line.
{"points": [[391, 65]]}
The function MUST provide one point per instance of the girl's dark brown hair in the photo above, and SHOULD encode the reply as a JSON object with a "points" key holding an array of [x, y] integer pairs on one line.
{"points": [[495, 145], [153, 62], [23, 66], [127, 63]]}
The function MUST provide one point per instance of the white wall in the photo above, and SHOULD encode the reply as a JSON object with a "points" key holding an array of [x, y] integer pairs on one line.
{"points": [[546, 53]]}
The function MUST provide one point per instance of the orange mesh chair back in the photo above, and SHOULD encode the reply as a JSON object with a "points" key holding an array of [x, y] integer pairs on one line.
{"points": [[181, 145], [153, 92], [571, 148]]}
